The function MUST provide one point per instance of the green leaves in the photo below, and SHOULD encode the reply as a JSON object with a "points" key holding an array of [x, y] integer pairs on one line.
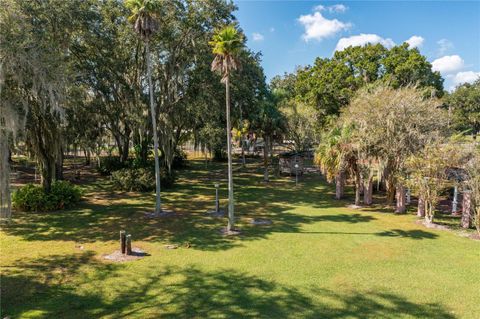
{"points": [[143, 16], [226, 43]]}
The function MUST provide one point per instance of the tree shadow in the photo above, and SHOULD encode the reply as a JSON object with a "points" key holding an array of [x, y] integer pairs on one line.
{"points": [[106, 212], [45, 286], [48, 287], [415, 234]]}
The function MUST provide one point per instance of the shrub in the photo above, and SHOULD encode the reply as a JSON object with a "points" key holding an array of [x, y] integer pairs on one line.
{"points": [[179, 159], [110, 164], [33, 197], [140, 179]]}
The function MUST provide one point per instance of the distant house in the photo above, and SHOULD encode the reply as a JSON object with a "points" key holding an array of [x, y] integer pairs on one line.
{"points": [[287, 162]]}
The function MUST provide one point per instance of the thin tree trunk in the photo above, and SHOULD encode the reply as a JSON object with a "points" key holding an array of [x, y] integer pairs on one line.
{"points": [[401, 206], [59, 165], [467, 208], [243, 151], [368, 191], [154, 126], [229, 150], [5, 200], [358, 183], [421, 207], [340, 185]]}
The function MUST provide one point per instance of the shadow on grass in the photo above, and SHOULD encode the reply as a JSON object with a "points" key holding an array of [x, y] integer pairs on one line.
{"points": [[49, 288], [106, 211]]}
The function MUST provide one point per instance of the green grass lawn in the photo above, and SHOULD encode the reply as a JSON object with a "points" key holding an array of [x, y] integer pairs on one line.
{"points": [[319, 258]]}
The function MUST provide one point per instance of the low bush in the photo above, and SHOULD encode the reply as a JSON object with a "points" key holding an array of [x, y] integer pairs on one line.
{"points": [[179, 159], [110, 164], [33, 197], [140, 179]]}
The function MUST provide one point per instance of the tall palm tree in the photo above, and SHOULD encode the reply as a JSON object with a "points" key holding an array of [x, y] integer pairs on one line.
{"points": [[143, 17], [227, 43]]}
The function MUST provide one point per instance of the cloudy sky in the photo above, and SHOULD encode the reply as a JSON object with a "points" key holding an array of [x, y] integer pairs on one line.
{"points": [[291, 33]]}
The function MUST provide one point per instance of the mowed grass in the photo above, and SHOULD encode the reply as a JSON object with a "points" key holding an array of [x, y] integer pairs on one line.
{"points": [[319, 258]]}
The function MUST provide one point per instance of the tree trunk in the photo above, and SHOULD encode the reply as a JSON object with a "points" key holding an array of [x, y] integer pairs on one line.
{"points": [[428, 213], [5, 199], [154, 130], [88, 157], [231, 220], [340, 185], [358, 182], [421, 207], [59, 165], [243, 151], [390, 185], [401, 206], [265, 158], [47, 174], [368, 191], [125, 146], [467, 210]]}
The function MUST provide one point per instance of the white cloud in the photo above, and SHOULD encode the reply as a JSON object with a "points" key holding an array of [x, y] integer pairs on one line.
{"points": [[318, 27], [363, 39], [466, 77], [340, 8], [448, 64], [257, 37], [415, 41], [444, 46], [336, 8]]}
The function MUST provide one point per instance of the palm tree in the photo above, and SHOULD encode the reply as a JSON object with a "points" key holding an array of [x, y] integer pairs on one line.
{"points": [[337, 155], [227, 44], [143, 18]]}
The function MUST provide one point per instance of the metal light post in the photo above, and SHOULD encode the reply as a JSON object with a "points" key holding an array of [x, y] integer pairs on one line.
{"points": [[296, 174], [217, 203], [408, 196]]}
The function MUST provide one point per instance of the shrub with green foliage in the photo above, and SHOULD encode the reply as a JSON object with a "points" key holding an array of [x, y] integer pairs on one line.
{"points": [[140, 179], [33, 197], [110, 164], [179, 159]]}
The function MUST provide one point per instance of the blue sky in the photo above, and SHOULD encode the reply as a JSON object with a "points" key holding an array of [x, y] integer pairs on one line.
{"points": [[291, 33]]}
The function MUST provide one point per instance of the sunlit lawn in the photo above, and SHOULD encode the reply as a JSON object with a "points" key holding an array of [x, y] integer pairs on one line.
{"points": [[319, 259]]}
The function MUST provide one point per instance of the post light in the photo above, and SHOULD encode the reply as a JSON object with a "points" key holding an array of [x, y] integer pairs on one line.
{"points": [[217, 204], [455, 199], [296, 174], [408, 196]]}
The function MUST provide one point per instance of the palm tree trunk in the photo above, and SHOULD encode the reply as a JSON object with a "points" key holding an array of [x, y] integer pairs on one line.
{"points": [[368, 191], [358, 182], [401, 200], [229, 150], [154, 126], [339, 184]]}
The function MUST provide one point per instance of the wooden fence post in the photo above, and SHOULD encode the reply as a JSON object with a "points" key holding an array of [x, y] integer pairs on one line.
{"points": [[129, 244], [122, 241]]}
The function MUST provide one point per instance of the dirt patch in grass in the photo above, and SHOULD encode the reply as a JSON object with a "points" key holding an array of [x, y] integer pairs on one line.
{"points": [[117, 255]]}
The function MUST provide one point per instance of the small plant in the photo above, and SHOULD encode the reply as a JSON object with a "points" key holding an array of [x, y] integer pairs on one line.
{"points": [[33, 197]]}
